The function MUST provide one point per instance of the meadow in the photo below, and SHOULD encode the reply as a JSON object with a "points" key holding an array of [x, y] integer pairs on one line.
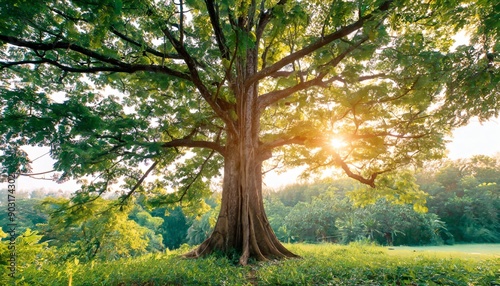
{"points": [[321, 264]]}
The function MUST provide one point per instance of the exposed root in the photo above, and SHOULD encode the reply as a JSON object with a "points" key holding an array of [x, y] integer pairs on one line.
{"points": [[208, 247]]}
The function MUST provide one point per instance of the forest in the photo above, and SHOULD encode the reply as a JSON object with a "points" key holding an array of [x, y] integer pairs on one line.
{"points": [[462, 206]]}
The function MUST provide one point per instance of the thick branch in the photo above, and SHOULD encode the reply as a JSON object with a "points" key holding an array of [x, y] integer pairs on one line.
{"points": [[272, 97], [368, 181], [11, 64], [282, 142], [316, 45], [280, 74], [58, 45], [205, 93], [265, 17], [116, 65], [147, 49], [37, 174], [302, 140], [384, 134], [219, 35], [124, 69], [139, 182], [195, 144]]}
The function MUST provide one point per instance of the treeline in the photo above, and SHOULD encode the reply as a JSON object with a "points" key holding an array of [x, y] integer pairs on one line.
{"points": [[98, 230], [463, 207], [463, 201]]}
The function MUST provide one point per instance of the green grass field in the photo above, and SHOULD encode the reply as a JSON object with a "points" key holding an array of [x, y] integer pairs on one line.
{"points": [[475, 249], [321, 264]]}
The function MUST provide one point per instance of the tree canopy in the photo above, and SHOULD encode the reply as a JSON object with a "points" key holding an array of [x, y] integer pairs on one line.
{"points": [[123, 90]]}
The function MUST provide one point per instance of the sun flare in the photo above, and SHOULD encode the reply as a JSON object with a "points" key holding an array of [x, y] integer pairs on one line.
{"points": [[337, 143]]}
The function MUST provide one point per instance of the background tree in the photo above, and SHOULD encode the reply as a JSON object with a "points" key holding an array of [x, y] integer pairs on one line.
{"points": [[276, 212], [151, 224], [315, 221], [467, 202], [28, 215], [200, 230], [174, 227], [334, 216], [95, 232], [238, 82]]}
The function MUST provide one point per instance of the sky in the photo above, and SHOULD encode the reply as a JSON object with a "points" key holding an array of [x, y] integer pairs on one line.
{"points": [[475, 139], [467, 141]]}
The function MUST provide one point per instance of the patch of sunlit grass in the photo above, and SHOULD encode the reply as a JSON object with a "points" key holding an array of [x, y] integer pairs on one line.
{"points": [[359, 264]]}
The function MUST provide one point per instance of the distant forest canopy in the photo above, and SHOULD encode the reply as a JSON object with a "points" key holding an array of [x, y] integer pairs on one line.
{"points": [[462, 200]]}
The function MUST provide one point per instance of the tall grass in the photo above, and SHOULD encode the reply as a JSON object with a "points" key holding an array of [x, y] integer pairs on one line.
{"points": [[323, 264]]}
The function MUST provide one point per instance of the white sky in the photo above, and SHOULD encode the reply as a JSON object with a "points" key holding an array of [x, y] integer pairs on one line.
{"points": [[473, 139]]}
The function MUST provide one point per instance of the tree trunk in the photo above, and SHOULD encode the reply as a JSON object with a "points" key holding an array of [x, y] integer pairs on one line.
{"points": [[242, 225]]}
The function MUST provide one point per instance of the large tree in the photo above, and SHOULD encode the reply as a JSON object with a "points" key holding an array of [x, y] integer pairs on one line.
{"points": [[122, 90]]}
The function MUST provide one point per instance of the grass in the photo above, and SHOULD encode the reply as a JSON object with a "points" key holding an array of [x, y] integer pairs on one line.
{"points": [[369, 265], [474, 249], [323, 264]]}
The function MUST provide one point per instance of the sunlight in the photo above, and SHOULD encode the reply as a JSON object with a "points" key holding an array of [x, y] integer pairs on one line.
{"points": [[337, 143]]}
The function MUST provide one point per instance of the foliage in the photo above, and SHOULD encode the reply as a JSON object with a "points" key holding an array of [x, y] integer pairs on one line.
{"points": [[465, 195], [93, 231], [28, 215], [28, 250], [174, 227], [143, 88]]}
